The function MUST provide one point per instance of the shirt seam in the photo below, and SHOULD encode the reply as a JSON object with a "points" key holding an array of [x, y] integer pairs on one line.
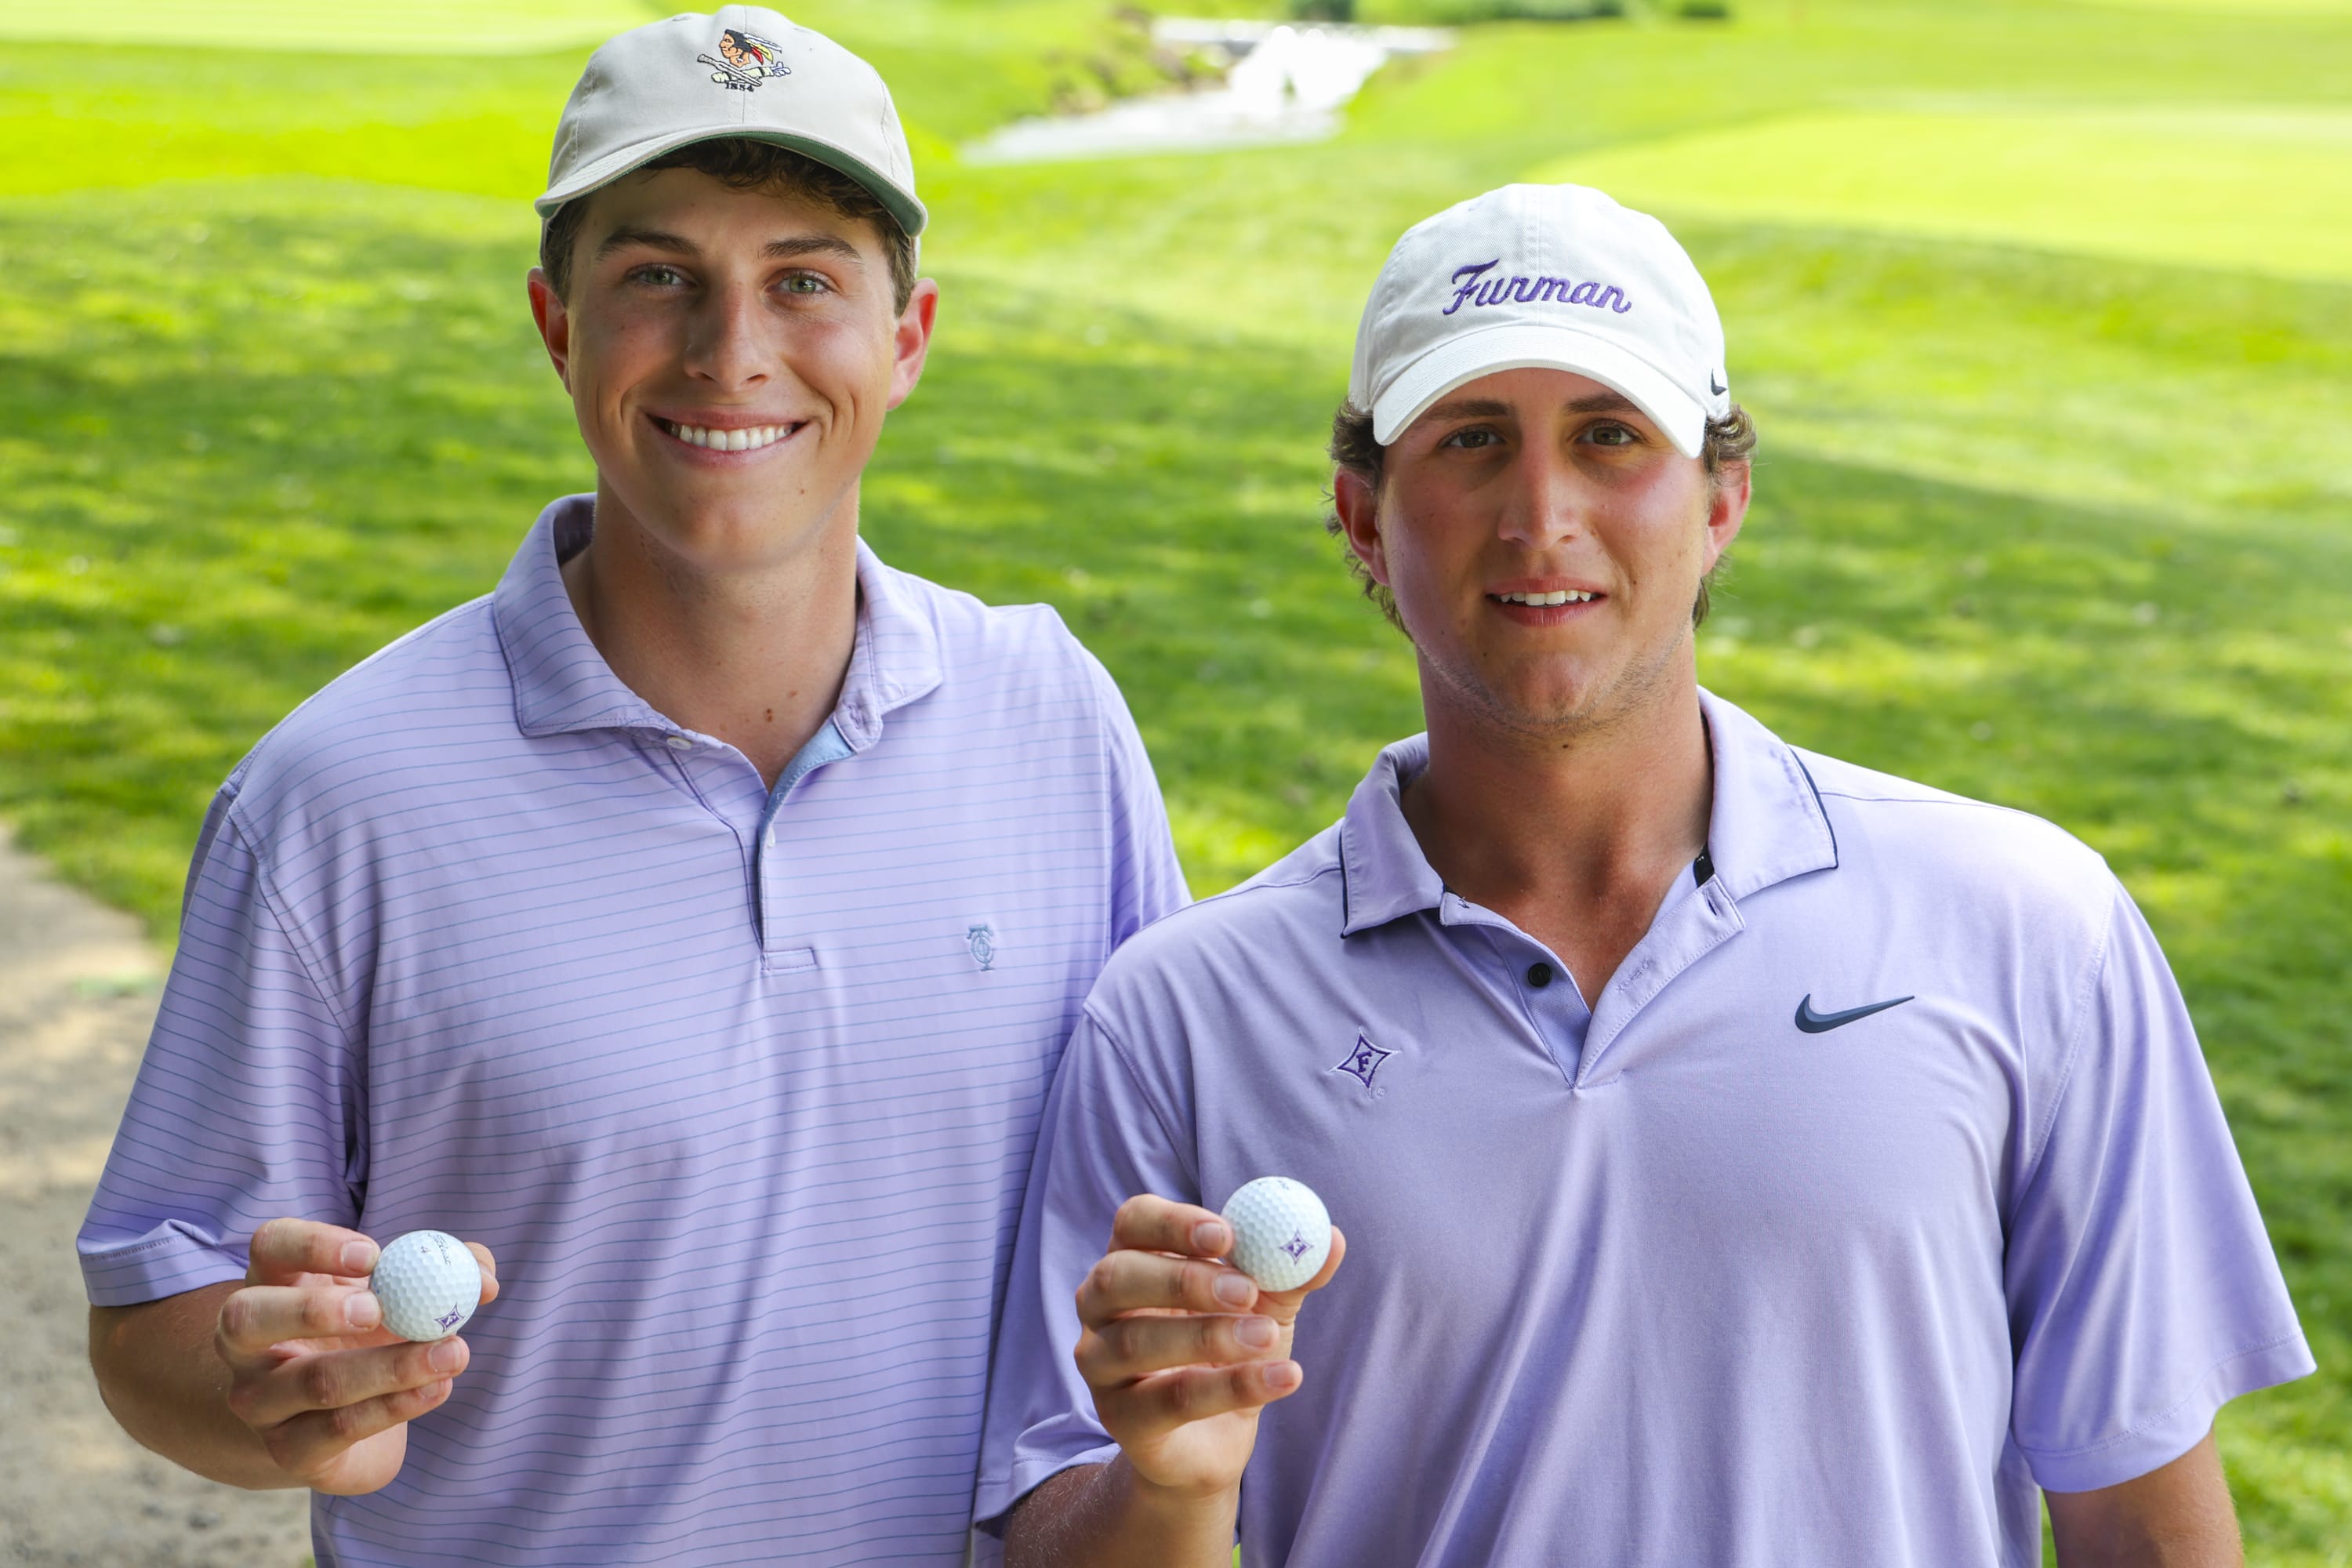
{"points": [[1135, 1077], [2197, 1392], [281, 914], [2092, 972], [1113, 794]]}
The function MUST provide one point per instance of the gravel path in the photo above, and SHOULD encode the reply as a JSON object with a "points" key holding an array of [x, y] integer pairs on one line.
{"points": [[77, 989]]}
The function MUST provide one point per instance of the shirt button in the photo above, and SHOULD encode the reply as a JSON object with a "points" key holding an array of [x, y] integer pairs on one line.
{"points": [[680, 743], [1538, 975], [772, 839]]}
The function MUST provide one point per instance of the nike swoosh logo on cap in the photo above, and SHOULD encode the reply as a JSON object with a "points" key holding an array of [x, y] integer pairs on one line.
{"points": [[1714, 384], [1814, 1023]]}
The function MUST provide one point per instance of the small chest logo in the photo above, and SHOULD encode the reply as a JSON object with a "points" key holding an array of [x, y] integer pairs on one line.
{"points": [[746, 61], [981, 940], [1363, 1060]]}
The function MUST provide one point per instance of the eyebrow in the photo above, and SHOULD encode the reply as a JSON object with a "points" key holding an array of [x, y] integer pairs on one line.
{"points": [[1487, 408], [628, 237]]}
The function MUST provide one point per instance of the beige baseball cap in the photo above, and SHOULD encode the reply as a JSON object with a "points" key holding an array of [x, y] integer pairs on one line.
{"points": [[745, 71], [1546, 277]]}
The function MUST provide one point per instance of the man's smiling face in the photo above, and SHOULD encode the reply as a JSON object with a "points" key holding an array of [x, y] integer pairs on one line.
{"points": [[1545, 543], [731, 355]]}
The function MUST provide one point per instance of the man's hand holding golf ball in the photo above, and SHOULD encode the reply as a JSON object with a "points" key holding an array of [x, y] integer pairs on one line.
{"points": [[322, 1346], [1182, 1348]]}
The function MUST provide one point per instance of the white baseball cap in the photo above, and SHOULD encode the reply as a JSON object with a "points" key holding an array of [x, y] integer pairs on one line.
{"points": [[1545, 277], [745, 71]]}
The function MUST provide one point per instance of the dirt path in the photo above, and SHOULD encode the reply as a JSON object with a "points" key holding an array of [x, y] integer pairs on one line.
{"points": [[77, 989]]}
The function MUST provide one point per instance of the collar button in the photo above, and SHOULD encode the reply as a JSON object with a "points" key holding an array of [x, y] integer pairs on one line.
{"points": [[1538, 975]]}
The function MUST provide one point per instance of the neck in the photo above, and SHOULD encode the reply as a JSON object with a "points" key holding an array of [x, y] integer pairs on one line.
{"points": [[754, 658], [1575, 838]]}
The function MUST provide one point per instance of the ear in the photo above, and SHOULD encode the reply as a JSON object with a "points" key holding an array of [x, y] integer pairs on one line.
{"points": [[1727, 509], [554, 319], [913, 341], [1358, 507]]}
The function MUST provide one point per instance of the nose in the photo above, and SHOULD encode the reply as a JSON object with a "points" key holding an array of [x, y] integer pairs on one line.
{"points": [[1546, 502], [726, 346]]}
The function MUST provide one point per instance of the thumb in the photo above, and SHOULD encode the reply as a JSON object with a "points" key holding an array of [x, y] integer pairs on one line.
{"points": [[1283, 1306]]}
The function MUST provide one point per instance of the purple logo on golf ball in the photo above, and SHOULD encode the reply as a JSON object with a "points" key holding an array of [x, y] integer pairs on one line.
{"points": [[1297, 1247]]}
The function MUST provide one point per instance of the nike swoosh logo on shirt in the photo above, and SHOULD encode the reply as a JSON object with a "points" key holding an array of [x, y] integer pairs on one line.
{"points": [[1814, 1023]]}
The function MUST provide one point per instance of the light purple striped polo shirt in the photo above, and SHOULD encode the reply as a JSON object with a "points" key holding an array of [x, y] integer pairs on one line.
{"points": [[743, 1093], [1679, 1279]]}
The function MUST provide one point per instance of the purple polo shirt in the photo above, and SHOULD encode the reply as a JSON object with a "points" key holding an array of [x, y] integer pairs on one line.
{"points": [[1676, 1280], [742, 1090]]}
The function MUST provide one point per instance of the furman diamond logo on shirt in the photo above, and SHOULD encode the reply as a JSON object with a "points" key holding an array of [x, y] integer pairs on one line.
{"points": [[1363, 1061], [745, 60], [1473, 287]]}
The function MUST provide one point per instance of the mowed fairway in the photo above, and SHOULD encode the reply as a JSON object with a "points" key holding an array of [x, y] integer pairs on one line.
{"points": [[2044, 311]]}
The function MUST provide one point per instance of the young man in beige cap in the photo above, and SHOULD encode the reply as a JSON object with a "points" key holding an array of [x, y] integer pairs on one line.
{"points": [[692, 925], [1746, 1159]]}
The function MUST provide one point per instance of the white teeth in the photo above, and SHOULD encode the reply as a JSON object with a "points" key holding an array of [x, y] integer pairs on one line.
{"points": [[1559, 596], [747, 440]]}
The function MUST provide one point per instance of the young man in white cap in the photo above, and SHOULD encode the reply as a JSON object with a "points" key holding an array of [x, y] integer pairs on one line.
{"points": [[1744, 1158], [693, 924]]}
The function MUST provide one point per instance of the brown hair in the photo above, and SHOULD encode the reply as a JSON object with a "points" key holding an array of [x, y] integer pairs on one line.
{"points": [[1729, 440], [742, 164]]}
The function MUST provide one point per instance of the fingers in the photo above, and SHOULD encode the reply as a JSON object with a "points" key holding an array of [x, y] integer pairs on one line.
{"points": [[284, 1248], [307, 1444], [259, 1315], [1131, 1281], [1136, 1347], [1158, 1225], [1159, 1406], [342, 1380]]}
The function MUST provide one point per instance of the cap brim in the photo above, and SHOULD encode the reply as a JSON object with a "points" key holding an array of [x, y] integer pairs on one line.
{"points": [[1519, 345], [901, 205]]}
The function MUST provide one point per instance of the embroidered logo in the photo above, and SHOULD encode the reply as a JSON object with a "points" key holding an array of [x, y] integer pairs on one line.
{"points": [[1363, 1061], [745, 60], [1473, 287], [1814, 1023], [981, 940]]}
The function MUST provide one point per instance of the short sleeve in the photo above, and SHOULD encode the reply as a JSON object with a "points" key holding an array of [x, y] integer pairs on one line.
{"points": [[1103, 1143], [1147, 879], [246, 1104], [2143, 1292]]}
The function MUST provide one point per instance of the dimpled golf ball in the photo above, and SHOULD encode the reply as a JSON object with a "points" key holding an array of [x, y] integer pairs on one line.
{"points": [[429, 1284], [1282, 1233]]}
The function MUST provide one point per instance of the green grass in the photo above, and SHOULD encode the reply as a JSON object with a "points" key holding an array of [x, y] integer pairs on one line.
{"points": [[2246, 189], [2051, 508]]}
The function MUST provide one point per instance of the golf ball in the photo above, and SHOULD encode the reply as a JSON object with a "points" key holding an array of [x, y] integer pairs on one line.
{"points": [[429, 1284], [1282, 1233]]}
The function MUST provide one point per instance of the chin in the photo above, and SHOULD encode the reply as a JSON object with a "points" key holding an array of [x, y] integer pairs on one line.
{"points": [[724, 531]]}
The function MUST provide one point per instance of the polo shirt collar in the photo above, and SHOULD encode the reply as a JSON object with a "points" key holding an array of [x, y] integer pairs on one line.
{"points": [[1766, 825], [561, 683]]}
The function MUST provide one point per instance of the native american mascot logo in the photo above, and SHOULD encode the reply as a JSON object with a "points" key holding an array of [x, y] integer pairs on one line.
{"points": [[745, 60]]}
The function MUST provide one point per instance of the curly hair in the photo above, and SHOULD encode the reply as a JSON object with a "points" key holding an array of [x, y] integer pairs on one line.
{"points": [[1729, 440], [742, 164]]}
